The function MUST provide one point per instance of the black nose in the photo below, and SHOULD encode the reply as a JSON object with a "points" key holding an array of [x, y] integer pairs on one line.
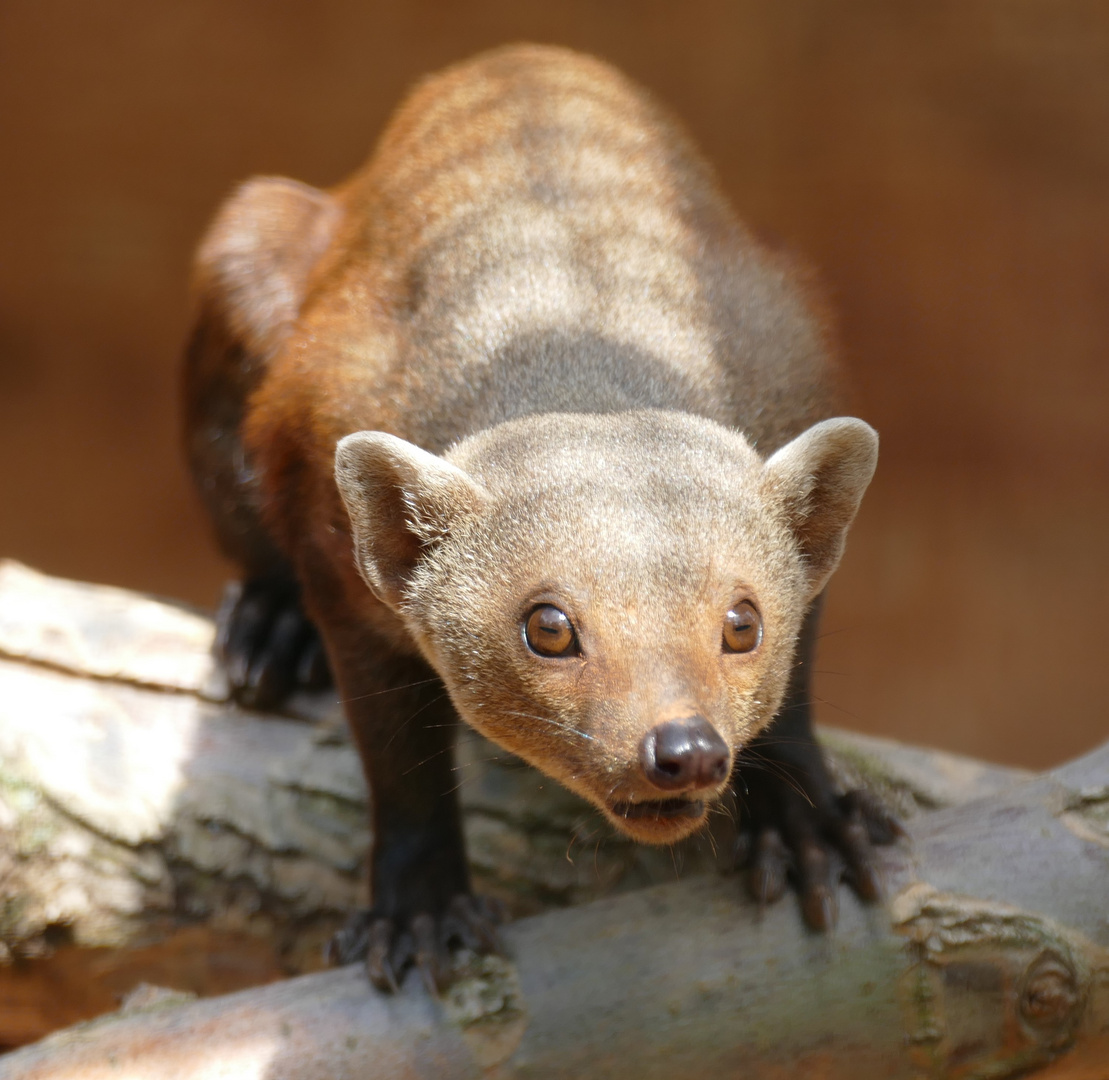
{"points": [[683, 754]]}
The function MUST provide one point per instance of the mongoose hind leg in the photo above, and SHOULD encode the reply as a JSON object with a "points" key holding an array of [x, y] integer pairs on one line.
{"points": [[267, 644], [794, 825]]}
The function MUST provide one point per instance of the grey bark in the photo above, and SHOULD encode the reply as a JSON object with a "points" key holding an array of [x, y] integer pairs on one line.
{"points": [[132, 795]]}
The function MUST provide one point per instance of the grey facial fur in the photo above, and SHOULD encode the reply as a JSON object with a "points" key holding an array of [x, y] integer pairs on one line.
{"points": [[644, 527]]}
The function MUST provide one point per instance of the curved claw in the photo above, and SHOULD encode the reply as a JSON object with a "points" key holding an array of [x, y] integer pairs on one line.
{"points": [[813, 867], [379, 949], [766, 875], [854, 842], [426, 952]]}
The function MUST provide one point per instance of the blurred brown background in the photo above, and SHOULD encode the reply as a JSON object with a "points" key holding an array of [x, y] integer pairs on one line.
{"points": [[944, 164]]}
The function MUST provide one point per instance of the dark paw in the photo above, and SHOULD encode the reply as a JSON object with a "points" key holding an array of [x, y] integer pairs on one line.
{"points": [[424, 941], [267, 644], [790, 839]]}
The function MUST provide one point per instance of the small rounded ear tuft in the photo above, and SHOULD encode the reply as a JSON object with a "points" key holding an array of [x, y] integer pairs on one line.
{"points": [[401, 500], [818, 481]]}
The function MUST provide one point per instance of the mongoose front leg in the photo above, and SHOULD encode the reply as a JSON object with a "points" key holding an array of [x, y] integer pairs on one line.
{"points": [[793, 822], [421, 903]]}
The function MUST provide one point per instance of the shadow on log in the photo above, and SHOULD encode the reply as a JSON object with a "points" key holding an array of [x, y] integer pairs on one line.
{"points": [[990, 960]]}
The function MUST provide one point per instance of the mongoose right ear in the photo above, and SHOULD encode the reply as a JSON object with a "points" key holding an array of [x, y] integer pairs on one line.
{"points": [[400, 500], [819, 480]]}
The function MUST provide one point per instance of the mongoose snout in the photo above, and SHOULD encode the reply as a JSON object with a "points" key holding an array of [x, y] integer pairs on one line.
{"points": [[684, 755]]}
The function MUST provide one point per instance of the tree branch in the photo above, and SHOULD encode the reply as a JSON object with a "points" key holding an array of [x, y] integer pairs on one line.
{"points": [[132, 798]]}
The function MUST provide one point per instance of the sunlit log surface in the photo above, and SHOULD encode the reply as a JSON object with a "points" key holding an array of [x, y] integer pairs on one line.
{"points": [[132, 797]]}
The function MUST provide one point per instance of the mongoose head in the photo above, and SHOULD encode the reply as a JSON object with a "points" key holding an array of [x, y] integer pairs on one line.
{"points": [[614, 598]]}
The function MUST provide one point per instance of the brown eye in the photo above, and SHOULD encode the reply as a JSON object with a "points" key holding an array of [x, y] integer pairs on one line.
{"points": [[742, 628], [549, 632]]}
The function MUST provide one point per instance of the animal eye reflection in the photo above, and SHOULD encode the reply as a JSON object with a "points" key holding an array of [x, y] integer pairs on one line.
{"points": [[549, 632], [742, 628]]}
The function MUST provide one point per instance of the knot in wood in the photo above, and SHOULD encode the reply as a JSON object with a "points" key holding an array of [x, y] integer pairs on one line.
{"points": [[1050, 993]]}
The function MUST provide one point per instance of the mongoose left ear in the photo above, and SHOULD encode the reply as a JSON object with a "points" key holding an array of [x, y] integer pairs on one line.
{"points": [[401, 500], [819, 480]]}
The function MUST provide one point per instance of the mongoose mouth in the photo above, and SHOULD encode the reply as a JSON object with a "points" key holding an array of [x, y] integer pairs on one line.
{"points": [[660, 809]]}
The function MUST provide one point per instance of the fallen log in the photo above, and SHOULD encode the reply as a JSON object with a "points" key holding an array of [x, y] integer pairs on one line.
{"points": [[155, 803], [992, 958]]}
